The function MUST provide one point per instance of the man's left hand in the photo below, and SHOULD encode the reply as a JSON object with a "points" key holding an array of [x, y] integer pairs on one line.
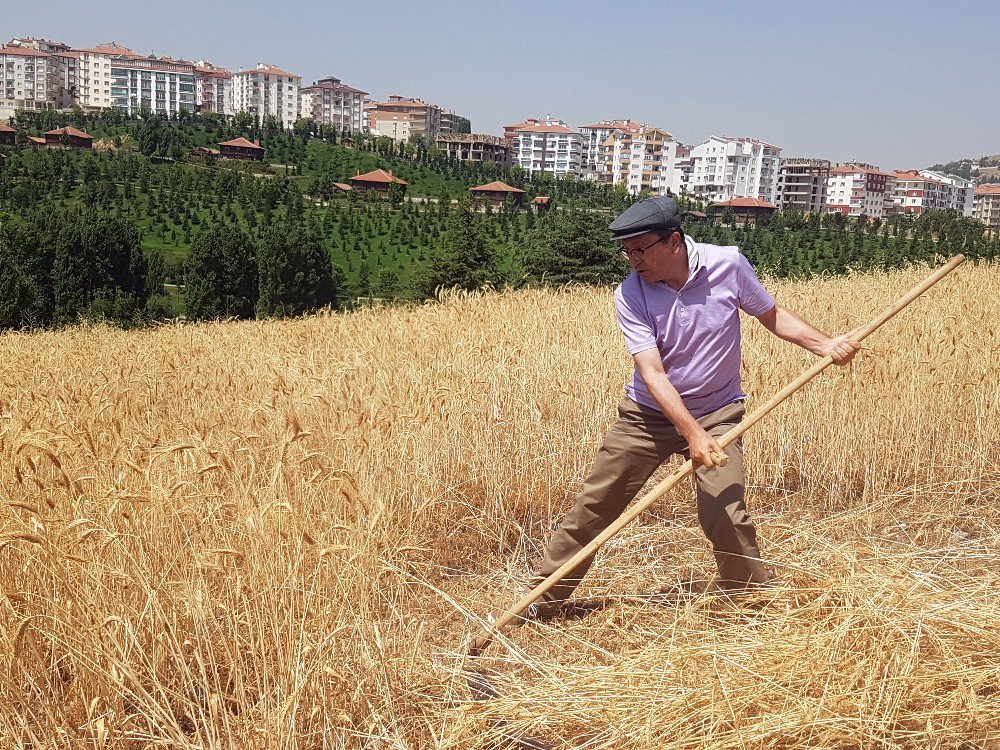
{"points": [[841, 349]]}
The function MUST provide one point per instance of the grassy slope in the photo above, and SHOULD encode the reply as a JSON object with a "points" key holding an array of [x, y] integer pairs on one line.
{"points": [[278, 534]]}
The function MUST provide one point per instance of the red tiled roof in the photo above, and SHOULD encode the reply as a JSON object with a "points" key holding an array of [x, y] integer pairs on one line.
{"points": [[6, 128], [378, 175], [496, 187], [110, 49], [74, 53], [36, 139], [745, 203], [69, 130], [988, 190], [541, 200], [541, 128], [241, 142], [329, 86], [213, 72], [912, 175], [24, 51], [630, 126], [268, 70], [342, 186]]}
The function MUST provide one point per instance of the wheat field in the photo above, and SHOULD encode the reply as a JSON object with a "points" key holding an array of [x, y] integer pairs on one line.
{"points": [[283, 534]]}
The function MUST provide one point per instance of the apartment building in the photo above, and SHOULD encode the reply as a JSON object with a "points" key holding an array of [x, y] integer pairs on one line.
{"points": [[452, 122], [639, 159], [158, 84], [31, 80], [332, 103], [401, 118], [267, 90], [986, 205], [960, 191], [802, 184], [475, 147], [594, 135], [680, 179], [94, 74], [213, 89], [545, 145], [727, 167], [859, 189]]}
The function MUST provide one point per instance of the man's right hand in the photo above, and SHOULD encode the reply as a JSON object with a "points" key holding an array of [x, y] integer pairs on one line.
{"points": [[705, 451]]}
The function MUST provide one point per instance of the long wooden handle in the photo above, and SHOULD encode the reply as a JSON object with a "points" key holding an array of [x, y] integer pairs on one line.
{"points": [[687, 468]]}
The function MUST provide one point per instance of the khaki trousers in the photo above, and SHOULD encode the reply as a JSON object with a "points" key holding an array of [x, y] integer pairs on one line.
{"points": [[640, 440]]}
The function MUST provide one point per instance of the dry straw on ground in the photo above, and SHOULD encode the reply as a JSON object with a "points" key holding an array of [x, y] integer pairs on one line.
{"points": [[279, 534]]}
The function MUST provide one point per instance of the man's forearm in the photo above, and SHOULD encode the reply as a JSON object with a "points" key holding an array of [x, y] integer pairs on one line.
{"points": [[791, 327]]}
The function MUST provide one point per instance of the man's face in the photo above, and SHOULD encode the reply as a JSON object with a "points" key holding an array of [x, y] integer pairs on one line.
{"points": [[651, 255]]}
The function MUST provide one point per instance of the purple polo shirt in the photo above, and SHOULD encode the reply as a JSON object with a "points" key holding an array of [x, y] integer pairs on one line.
{"points": [[696, 329]]}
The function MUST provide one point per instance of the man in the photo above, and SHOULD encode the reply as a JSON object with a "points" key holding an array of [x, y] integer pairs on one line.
{"points": [[679, 313]]}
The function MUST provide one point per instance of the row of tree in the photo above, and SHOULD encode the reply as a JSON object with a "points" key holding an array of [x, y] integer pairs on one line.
{"points": [[65, 266]]}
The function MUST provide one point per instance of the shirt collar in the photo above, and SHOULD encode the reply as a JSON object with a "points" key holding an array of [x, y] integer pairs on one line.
{"points": [[694, 261]]}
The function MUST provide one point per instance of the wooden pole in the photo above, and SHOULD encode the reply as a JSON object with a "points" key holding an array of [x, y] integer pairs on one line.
{"points": [[687, 468]]}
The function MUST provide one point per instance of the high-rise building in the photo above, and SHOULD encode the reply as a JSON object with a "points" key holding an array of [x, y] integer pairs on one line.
{"points": [[859, 189], [640, 159], [266, 90], [727, 167], [332, 103], [400, 118], [802, 184], [986, 205], [31, 80], [592, 162], [452, 122], [157, 84], [545, 145], [213, 89]]}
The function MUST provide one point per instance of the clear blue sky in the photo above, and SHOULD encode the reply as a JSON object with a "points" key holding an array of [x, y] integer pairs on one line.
{"points": [[900, 84]]}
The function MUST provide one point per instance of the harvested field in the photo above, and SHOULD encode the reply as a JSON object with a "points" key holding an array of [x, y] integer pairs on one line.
{"points": [[280, 534]]}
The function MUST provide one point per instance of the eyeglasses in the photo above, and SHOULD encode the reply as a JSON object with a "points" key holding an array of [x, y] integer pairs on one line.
{"points": [[637, 251]]}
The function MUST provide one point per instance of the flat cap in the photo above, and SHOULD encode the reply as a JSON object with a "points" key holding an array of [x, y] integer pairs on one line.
{"points": [[649, 215]]}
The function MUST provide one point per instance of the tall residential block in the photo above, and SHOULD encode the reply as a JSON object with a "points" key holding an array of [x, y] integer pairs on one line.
{"points": [[401, 118], [332, 103], [545, 145], [859, 189], [802, 184], [267, 90], [986, 205], [158, 84], [31, 80], [727, 167], [639, 159], [213, 89], [594, 135]]}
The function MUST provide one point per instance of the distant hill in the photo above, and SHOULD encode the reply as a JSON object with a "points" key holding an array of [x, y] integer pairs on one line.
{"points": [[983, 169]]}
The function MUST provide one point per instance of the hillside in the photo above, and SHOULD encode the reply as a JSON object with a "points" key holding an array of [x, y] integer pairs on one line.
{"points": [[280, 534], [983, 169]]}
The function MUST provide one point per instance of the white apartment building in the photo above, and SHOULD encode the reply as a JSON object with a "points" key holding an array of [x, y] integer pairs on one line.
{"points": [[330, 102], [213, 89], [267, 90], [727, 167], [546, 145], [986, 205], [802, 184], [962, 191], [594, 135], [858, 189], [31, 80], [643, 159], [158, 84], [401, 117], [94, 74]]}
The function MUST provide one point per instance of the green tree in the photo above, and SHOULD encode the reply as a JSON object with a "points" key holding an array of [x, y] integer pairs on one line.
{"points": [[465, 259], [296, 274], [572, 246], [222, 276]]}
